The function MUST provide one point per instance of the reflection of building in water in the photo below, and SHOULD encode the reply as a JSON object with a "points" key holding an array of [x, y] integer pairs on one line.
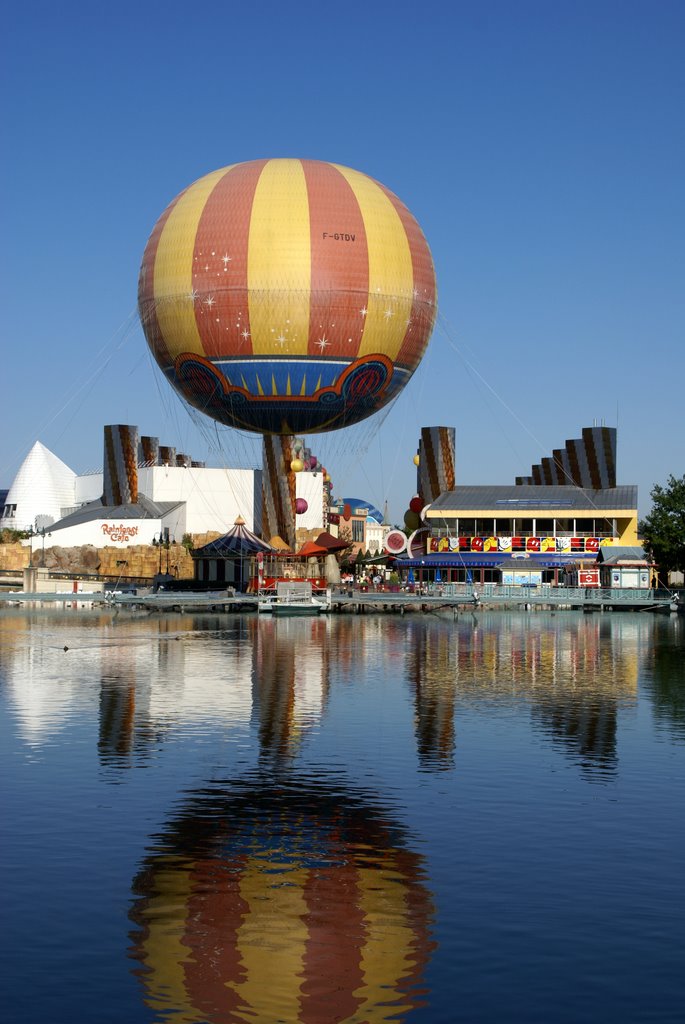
{"points": [[583, 717], [146, 678], [527, 655], [44, 687], [576, 671], [163, 674], [300, 905], [665, 675], [586, 727], [117, 705], [428, 671], [290, 680]]}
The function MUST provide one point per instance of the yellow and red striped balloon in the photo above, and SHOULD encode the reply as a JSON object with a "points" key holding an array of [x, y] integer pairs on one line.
{"points": [[287, 296]]}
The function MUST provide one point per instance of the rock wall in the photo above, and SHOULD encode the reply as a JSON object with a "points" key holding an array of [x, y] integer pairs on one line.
{"points": [[141, 560]]}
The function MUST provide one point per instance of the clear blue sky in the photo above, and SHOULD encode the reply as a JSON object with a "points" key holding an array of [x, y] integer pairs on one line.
{"points": [[539, 144]]}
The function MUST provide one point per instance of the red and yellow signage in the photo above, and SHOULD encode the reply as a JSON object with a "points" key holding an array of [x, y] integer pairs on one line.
{"points": [[514, 545]]}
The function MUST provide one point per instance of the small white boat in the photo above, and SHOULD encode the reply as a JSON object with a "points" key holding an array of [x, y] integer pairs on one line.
{"points": [[292, 599]]}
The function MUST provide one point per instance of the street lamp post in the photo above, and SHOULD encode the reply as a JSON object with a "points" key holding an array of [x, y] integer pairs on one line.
{"points": [[163, 542], [43, 533]]}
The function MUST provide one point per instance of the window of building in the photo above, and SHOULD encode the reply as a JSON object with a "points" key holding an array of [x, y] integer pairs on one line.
{"points": [[358, 531]]}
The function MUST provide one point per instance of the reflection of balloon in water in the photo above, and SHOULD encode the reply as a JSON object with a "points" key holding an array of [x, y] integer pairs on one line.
{"points": [[287, 295], [299, 904], [301, 506]]}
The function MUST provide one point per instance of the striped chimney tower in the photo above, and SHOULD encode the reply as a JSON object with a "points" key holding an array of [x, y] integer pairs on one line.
{"points": [[120, 465], [167, 456], [148, 451], [278, 488], [436, 473], [587, 461]]}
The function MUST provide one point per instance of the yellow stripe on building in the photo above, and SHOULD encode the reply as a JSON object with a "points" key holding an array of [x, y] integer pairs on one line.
{"points": [[391, 276], [173, 283], [272, 943], [279, 260]]}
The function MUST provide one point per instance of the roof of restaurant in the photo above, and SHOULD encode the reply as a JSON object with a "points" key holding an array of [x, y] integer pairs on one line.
{"points": [[523, 497], [144, 508], [620, 555]]}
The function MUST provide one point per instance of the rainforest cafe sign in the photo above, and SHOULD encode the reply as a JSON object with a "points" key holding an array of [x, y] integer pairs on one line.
{"points": [[119, 534]]}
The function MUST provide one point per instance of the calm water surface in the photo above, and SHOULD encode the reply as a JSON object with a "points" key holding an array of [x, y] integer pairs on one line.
{"points": [[361, 819]]}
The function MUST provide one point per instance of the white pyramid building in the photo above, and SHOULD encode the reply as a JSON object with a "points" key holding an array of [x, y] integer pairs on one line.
{"points": [[43, 487]]}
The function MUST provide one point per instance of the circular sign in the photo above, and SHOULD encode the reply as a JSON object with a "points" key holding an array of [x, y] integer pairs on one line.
{"points": [[395, 542]]}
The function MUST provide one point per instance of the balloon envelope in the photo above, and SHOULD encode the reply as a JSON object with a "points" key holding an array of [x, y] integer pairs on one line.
{"points": [[287, 296]]}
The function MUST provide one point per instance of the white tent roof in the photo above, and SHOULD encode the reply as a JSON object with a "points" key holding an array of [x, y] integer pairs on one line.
{"points": [[43, 486]]}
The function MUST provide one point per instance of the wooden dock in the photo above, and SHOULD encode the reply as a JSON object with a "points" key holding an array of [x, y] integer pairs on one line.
{"points": [[345, 600]]}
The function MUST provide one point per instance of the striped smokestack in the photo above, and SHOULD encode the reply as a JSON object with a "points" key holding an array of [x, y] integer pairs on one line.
{"points": [[436, 473], [587, 461], [278, 489], [120, 465], [167, 456], [148, 451]]}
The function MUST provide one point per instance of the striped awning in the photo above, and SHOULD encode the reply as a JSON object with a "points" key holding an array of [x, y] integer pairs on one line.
{"points": [[493, 560]]}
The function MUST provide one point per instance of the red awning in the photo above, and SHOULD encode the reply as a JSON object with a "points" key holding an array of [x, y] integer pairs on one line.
{"points": [[311, 550], [331, 543]]}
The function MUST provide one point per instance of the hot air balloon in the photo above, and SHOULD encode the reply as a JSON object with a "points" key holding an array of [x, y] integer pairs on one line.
{"points": [[282, 296]]}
